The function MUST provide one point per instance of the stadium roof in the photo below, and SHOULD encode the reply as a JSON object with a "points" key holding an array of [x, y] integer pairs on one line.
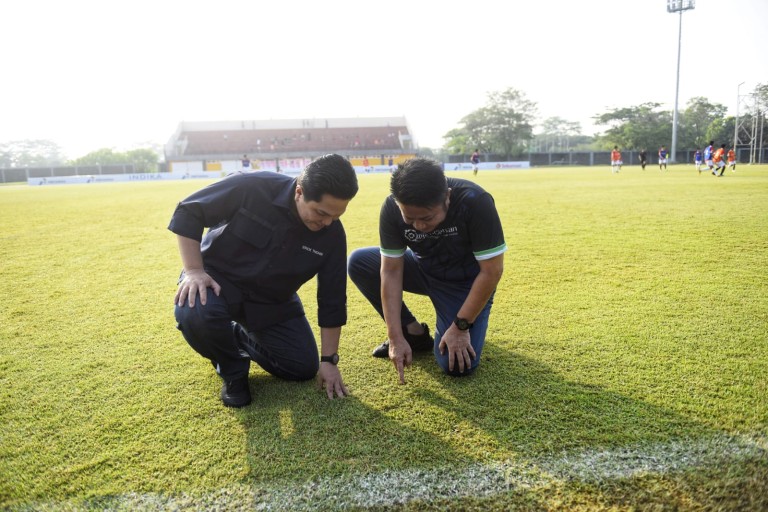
{"points": [[275, 138], [288, 124]]}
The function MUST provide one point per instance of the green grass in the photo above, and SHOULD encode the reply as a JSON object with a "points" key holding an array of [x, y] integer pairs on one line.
{"points": [[633, 313]]}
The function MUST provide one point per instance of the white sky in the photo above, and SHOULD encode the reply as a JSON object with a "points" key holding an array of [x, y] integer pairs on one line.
{"points": [[114, 73]]}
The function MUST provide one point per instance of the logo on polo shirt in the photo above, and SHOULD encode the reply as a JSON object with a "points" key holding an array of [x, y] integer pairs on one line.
{"points": [[417, 236], [313, 251]]}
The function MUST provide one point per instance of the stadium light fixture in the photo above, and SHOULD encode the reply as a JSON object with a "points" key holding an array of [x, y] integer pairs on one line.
{"points": [[678, 6]]}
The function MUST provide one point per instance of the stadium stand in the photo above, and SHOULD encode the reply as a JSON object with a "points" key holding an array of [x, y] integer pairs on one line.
{"points": [[222, 140]]}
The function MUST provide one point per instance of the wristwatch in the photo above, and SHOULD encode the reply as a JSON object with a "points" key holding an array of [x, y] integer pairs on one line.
{"points": [[333, 359], [462, 323]]}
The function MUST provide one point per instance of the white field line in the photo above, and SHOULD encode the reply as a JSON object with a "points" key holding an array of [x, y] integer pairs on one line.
{"points": [[478, 480]]}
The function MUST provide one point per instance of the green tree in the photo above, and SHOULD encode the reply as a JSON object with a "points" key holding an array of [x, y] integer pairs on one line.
{"points": [[104, 156], [504, 125], [695, 122], [638, 127], [762, 91], [143, 160], [477, 129], [558, 134], [457, 142], [512, 116], [30, 153], [721, 131]]}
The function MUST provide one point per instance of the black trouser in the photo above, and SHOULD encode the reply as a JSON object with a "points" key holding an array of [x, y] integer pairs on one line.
{"points": [[216, 331]]}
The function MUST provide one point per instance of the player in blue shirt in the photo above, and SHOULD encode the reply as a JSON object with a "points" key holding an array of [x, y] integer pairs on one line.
{"points": [[697, 160], [268, 234], [708, 154], [663, 157], [440, 237]]}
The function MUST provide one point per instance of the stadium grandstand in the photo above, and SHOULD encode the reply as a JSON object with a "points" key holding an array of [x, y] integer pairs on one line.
{"points": [[377, 140]]}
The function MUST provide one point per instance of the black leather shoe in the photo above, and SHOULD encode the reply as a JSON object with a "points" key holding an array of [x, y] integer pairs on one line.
{"points": [[418, 342], [236, 393]]}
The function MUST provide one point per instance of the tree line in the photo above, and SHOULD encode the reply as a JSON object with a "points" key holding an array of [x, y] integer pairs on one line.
{"points": [[505, 126], [46, 153]]}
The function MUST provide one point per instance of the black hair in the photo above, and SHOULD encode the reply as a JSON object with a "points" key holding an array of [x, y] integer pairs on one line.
{"points": [[330, 174], [419, 182]]}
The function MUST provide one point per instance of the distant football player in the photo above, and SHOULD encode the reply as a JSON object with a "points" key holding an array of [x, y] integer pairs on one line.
{"points": [[719, 160], [708, 151], [615, 160], [475, 159], [697, 160], [732, 160]]}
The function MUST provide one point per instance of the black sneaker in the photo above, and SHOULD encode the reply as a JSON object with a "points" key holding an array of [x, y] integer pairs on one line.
{"points": [[418, 342], [236, 393]]}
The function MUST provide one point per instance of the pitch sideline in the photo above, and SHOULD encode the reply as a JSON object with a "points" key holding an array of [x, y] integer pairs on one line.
{"points": [[478, 480]]}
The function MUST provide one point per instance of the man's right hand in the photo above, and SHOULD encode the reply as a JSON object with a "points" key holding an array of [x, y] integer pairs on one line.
{"points": [[194, 282], [401, 355]]}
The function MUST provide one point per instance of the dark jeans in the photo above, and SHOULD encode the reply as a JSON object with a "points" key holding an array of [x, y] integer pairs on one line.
{"points": [[447, 298], [216, 331]]}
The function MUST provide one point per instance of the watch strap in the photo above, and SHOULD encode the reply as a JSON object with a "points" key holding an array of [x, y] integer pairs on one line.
{"points": [[463, 324], [333, 359]]}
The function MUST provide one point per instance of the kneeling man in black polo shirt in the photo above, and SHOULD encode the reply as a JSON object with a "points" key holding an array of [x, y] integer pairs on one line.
{"points": [[268, 234], [440, 237]]}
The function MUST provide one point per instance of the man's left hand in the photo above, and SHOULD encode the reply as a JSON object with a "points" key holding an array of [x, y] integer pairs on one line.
{"points": [[329, 378], [459, 347]]}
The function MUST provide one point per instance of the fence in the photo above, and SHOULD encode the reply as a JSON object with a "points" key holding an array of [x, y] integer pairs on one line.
{"points": [[22, 174], [598, 157]]}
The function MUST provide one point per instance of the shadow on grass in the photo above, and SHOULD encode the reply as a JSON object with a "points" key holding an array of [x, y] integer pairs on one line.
{"points": [[296, 433], [513, 407], [531, 410]]}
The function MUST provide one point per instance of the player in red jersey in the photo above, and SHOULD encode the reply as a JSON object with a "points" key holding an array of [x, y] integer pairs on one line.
{"points": [[718, 160], [615, 160], [732, 160]]}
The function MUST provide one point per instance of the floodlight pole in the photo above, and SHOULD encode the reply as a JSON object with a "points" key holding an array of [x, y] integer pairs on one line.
{"points": [[736, 124], [677, 6]]}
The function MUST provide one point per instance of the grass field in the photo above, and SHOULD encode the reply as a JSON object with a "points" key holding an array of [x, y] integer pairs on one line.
{"points": [[626, 365]]}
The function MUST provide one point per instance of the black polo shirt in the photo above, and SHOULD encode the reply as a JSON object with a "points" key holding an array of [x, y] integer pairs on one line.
{"points": [[259, 250], [470, 232]]}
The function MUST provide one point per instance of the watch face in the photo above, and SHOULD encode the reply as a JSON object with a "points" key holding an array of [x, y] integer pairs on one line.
{"points": [[462, 324], [333, 359]]}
